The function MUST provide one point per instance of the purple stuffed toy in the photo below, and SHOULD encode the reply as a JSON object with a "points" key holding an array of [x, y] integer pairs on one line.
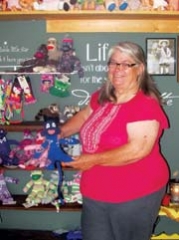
{"points": [[5, 195]]}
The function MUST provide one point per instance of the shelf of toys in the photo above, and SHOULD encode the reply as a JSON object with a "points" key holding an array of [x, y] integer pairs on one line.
{"points": [[20, 200], [89, 16]]}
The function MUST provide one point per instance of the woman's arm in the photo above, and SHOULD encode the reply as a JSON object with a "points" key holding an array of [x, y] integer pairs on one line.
{"points": [[141, 138], [74, 124]]}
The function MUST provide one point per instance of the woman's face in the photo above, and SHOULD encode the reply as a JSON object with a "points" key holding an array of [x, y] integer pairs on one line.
{"points": [[123, 72]]}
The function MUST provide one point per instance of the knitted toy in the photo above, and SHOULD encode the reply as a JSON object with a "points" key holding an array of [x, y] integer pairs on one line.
{"points": [[56, 154], [26, 5], [38, 60], [9, 159], [71, 189], [38, 186], [51, 193], [54, 52], [61, 86], [19, 149], [5, 195], [69, 62], [160, 4], [37, 152]]}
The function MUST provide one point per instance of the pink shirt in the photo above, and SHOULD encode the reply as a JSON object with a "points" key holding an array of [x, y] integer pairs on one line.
{"points": [[106, 129]]}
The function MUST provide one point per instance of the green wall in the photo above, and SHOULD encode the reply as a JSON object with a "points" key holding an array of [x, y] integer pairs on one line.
{"points": [[19, 41]]}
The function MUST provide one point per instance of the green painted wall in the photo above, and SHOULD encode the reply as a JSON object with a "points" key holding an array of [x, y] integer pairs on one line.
{"points": [[19, 41]]}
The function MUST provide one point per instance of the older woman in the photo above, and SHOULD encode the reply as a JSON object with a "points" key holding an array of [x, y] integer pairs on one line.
{"points": [[124, 175]]}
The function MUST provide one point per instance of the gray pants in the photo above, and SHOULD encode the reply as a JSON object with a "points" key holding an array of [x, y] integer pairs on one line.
{"points": [[133, 220]]}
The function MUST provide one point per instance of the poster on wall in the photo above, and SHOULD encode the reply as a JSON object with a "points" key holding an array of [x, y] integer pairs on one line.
{"points": [[161, 58]]}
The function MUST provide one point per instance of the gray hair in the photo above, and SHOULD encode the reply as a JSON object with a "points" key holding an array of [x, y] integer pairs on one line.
{"points": [[146, 83]]}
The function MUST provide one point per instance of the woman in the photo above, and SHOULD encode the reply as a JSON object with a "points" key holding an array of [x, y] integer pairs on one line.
{"points": [[124, 176]]}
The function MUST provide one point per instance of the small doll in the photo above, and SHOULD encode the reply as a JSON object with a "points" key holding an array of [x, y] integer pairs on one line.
{"points": [[56, 154], [74, 194], [39, 157], [38, 186], [8, 157], [5, 195], [51, 194]]}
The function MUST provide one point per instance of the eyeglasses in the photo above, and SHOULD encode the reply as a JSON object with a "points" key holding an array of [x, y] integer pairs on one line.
{"points": [[124, 66]]}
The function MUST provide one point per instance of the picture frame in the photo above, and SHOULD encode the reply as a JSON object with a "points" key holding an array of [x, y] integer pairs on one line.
{"points": [[161, 56]]}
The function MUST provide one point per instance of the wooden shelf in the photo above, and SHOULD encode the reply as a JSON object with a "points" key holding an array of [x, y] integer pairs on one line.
{"points": [[87, 14], [93, 21], [20, 199], [20, 127]]}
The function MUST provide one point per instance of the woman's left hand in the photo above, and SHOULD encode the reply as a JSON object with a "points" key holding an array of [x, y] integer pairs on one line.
{"points": [[81, 162]]}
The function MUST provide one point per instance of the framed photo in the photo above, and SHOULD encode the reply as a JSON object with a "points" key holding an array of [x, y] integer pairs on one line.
{"points": [[161, 56]]}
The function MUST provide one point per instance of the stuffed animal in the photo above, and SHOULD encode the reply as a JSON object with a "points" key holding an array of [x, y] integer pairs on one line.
{"points": [[9, 158], [56, 153], [27, 140], [69, 62], [3, 5], [39, 60], [73, 193], [5, 195], [52, 111], [51, 193], [66, 5], [39, 154], [61, 86], [160, 5], [26, 5], [54, 52], [37, 185]]}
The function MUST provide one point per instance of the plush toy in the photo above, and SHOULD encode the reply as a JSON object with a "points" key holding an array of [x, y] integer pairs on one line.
{"points": [[66, 5], [51, 111], [61, 86], [39, 5], [69, 62], [38, 186], [160, 5], [69, 111], [26, 5], [9, 158], [112, 5], [53, 56], [51, 193], [72, 189], [39, 154], [27, 140], [56, 154], [3, 5], [5, 195], [39, 59], [54, 52]]}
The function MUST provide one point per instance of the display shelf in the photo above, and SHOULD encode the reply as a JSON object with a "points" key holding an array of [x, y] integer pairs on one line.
{"points": [[20, 199], [87, 14], [20, 127]]}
